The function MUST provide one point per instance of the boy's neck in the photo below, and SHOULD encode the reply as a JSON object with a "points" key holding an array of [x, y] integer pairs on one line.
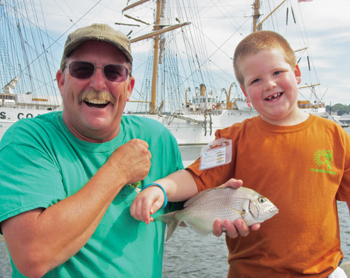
{"points": [[296, 118]]}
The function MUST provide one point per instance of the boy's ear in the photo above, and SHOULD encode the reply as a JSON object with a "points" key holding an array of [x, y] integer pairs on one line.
{"points": [[297, 74], [245, 93]]}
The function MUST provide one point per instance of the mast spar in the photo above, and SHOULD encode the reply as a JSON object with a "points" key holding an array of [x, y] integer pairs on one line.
{"points": [[258, 26], [157, 30], [152, 107], [256, 15]]}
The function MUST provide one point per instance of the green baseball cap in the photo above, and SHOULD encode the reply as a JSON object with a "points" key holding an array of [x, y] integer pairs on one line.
{"points": [[98, 32]]}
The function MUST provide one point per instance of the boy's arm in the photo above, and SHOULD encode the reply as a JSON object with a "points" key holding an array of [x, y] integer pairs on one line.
{"points": [[179, 186], [348, 206]]}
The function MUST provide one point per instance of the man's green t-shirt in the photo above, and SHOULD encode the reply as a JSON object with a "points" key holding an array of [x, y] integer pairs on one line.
{"points": [[42, 163]]}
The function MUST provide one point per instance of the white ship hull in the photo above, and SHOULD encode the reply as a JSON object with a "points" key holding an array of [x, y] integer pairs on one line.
{"points": [[8, 116], [188, 132], [187, 129]]}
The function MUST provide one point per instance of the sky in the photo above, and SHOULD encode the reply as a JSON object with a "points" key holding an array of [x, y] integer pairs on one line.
{"points": [[326, 24]]}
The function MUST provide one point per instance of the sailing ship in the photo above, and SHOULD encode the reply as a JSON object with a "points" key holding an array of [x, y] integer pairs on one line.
{"points": [[210, 108], [192, 102], [28, 88]]}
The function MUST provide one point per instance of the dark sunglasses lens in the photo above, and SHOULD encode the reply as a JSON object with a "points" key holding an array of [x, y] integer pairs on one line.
{"points": [[116, 73], [81, 70]]}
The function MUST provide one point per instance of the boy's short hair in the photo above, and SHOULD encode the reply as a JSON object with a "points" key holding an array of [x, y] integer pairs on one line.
{"points": [[261, 40]]}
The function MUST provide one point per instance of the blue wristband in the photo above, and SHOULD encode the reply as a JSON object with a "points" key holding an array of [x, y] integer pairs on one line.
{"points": [[161, 187]]}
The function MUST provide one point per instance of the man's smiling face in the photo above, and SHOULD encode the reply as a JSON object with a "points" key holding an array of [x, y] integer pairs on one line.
{"points": [[93, 107]]}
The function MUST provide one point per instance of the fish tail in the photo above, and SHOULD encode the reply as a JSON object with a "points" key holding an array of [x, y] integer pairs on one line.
{"points": [[171, 221]]}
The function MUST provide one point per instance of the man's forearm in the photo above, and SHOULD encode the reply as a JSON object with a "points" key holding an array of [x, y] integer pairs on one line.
{"points": [[42, 239]]}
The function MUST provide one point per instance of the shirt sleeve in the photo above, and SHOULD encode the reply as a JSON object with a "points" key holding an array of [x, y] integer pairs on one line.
{"points": [[29, 179], [343, 193]]}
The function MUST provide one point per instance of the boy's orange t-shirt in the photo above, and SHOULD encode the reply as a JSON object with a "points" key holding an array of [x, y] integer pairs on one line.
{"points": [[303, 170]]}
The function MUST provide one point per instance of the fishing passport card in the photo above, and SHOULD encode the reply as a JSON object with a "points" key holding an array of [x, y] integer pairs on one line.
{"points": [[216, 153]]}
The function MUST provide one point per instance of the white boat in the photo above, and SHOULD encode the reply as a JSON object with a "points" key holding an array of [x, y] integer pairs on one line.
{"points": [[27, 75], [344, 119], [339, 120], [195, 121]]}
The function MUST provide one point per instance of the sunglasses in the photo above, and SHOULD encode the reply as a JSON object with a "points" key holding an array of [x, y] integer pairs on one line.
{"points": [[84, 70]]}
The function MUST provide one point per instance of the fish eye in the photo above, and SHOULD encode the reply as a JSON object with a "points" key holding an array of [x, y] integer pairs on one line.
{"points": [[262, 200]]}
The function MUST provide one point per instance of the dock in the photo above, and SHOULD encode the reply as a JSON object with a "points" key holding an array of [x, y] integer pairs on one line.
{"points": [[346, 267]]}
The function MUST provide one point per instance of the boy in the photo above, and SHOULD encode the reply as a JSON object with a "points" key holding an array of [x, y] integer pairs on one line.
{"points": [[300, 162]]}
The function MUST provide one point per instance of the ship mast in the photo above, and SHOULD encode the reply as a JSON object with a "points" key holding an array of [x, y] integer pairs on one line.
{"points": [[256, 15], [258, 26], [157, 30], [152, 107]]}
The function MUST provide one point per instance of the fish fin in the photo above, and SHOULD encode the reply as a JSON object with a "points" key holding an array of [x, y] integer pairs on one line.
{"points": [[197, 229], [171, 227], [167, 218], [196, 197], [171, 221], [182, 224], [239, 212], [205, 192]]}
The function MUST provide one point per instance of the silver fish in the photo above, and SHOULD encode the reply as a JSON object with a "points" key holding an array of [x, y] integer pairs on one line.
{"points": [[204, 208]]}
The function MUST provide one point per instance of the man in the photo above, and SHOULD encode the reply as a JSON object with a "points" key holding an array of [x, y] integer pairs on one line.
{"points": [[65, 203], [64, 200]]}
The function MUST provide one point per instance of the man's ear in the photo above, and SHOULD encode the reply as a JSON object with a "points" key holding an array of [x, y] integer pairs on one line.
{"points": [[60, 80], [130, 87]]}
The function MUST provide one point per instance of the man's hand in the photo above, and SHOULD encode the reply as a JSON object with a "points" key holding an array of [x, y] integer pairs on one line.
{"points": [[237, 228], [131, 161]]}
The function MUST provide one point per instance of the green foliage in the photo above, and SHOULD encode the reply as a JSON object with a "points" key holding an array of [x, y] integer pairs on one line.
{"points": [[339, 108]]}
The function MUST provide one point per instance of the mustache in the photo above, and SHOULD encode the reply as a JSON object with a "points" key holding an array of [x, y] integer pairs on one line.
{"points": [[92, 95]]}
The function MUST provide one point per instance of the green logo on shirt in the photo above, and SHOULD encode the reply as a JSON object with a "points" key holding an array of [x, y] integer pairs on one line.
{"points": [[136, 185], [323, 158]]}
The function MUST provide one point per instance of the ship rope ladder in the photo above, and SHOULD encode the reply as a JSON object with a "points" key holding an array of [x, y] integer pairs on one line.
{"points": [[145, 91], [4, 56]]}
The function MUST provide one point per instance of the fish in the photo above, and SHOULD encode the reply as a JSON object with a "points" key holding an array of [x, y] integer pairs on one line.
{"points": [[201, 211]]}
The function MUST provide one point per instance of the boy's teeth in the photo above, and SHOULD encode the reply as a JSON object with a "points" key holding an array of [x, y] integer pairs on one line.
{"points": [[275, 95]]}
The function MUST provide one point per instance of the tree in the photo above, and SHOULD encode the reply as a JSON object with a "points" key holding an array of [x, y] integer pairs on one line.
{"points": [[338, 108]]}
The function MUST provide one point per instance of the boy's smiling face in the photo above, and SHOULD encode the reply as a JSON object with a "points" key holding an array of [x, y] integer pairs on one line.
{"points": [[271, 85]]}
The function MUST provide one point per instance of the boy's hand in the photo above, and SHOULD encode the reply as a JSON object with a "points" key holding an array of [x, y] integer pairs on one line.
{"points": [[146, 203], [233, 230], [238, 227]]}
